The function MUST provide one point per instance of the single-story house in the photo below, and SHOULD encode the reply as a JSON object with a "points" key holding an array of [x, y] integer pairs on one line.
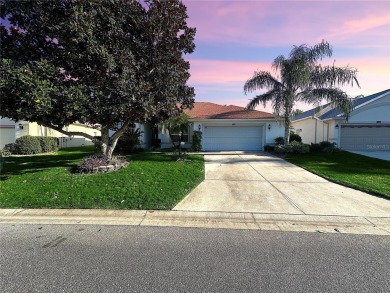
{"points": [[367, 127], [11, 130], [223, 127]]}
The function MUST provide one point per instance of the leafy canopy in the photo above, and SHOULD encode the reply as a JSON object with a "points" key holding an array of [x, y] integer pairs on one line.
{"points": [[99, 62]]}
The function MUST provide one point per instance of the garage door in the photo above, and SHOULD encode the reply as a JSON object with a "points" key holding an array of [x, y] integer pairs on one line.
{"points": [[7, 135], [365, 137], [232, 138]]}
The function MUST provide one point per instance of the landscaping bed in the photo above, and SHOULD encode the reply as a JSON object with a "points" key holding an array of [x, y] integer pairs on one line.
{"points": [[352, 170], [150, 181]]}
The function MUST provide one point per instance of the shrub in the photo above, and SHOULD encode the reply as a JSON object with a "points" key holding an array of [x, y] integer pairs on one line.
{"points": [[28, 145], [129, 141], [295, 137], [48, 144], [5, 153], [293, 148], [315, 147], [92, 164], [324, 146], [11, 147], [279, 140], [196, 141], [269, 148]]}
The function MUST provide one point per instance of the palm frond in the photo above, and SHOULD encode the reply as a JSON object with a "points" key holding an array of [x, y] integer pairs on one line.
{"points": [[260, 80], [329, 76], [275, 95], [320, 50], [334, 95], [278, 62], [310, 55]]}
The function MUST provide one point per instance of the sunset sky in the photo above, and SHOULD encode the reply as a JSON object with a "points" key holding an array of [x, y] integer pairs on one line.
{"points": [[236, 38]]}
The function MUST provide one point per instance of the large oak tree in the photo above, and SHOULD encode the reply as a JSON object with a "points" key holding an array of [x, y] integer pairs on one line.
{"points": [[109, 63]]}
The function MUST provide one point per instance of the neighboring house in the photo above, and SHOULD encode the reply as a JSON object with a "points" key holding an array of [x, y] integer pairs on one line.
{"points": [[224, 128], [366, 128], [11, 130]]}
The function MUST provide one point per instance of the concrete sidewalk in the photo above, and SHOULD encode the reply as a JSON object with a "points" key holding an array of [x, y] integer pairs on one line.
{"points": [[221, 220]]}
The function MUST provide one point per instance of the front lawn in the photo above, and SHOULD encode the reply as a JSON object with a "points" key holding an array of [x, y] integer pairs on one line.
{"points": [[151, 181], [356, 171]]}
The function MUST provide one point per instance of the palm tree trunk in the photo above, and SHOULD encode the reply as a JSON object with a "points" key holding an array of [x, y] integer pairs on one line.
{"points": [[287, 123]]}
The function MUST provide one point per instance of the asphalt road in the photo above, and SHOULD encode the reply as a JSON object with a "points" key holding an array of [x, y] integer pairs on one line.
{"points": [[89, 258]]}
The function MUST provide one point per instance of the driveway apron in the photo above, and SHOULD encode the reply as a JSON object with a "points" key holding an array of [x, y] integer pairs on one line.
{"points": [[262, 183]]}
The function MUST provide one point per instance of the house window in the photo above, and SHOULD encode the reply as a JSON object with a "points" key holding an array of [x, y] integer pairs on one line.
{"points": [[184, 135]]}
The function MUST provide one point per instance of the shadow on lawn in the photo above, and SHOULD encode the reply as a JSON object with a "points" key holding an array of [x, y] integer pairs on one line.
{"points": [[36, 163], [160, 157], [69, 159]]}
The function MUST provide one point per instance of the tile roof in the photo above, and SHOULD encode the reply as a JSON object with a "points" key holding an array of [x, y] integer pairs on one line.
{"points": [[332, 113], [206, 110]]}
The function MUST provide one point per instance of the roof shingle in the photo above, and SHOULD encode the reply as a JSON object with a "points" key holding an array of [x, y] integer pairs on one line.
{"points": [[333, 113], [206, 110]]}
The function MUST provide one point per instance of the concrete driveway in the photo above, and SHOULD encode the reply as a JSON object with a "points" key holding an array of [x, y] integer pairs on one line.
{"points": [[383, 155], [261, 183]]}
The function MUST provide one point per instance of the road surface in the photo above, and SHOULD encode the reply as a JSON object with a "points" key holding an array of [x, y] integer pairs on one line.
{"points": [[93, 258]]}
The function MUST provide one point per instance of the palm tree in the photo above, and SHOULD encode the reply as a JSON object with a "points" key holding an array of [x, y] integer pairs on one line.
{"points": [[301, 78]]}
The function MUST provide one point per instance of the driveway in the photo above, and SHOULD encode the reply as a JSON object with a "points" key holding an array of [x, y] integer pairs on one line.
{"points": [[383, 155], [262, 183]]}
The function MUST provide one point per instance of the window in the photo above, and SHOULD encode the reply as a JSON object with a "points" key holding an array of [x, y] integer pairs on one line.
{"points": [[184, 135]]}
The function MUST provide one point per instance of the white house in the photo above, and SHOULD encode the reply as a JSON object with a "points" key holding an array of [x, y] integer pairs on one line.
{"points": [[224, 128], [11, 130], [366, 128]]}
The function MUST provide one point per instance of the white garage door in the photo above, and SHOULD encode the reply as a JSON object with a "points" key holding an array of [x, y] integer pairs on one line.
{"points": [[232, 138], [376, 137], [7, 135]]}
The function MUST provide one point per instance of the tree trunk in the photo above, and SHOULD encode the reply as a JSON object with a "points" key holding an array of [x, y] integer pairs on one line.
{"points": [[287, 123], [108, 143]]}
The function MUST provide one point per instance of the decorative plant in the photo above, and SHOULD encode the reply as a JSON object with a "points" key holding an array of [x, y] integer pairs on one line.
{"points": [[197, 141]]}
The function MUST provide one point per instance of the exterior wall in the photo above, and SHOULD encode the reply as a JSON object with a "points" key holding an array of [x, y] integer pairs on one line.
{"points": [[313, 130], [371, 113], [7, 132], [22, 128], [146, 137]]}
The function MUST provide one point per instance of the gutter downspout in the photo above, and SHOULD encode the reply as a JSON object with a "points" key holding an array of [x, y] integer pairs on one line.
{"points": [[315, 129], [327, 130]]}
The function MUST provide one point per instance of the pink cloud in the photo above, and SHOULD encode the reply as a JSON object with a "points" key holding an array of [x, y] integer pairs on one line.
{"points": [[223, 72], [374, 29], [280, 23], [222, 81]]}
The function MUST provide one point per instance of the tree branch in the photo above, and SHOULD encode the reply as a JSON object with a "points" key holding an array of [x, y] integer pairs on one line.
{"points": [[69, 133]]}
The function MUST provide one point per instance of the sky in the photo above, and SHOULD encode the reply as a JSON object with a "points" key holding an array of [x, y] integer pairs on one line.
{"points": [[236, 38]]}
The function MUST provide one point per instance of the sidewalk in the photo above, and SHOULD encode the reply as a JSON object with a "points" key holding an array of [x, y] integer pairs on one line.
{"points": [[221, 220]]}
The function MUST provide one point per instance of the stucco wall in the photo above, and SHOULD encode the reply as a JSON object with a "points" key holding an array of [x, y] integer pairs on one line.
{"points": [[378, 110], [313, 130]]}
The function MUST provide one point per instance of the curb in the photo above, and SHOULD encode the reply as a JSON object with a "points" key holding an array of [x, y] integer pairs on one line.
{"points": [[191, 219]]}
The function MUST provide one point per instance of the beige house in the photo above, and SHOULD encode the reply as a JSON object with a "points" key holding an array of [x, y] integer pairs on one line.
{"points": [[366, 128], [11, 130]]}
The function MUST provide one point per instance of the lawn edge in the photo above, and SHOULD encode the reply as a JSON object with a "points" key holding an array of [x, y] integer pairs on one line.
{"points": [[374, 193]]}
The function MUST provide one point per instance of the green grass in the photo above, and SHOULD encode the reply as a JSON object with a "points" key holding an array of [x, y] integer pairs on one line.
{"points": [[356, 171], [151, 181]]}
